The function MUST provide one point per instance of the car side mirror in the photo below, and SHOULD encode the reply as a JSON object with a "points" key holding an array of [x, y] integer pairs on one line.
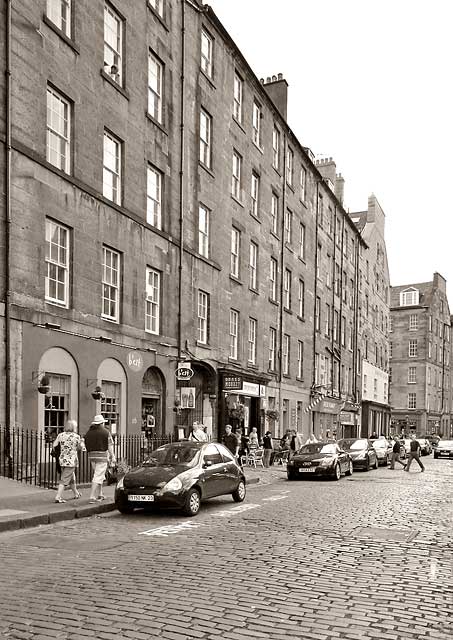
{"points": [[207, 463]]}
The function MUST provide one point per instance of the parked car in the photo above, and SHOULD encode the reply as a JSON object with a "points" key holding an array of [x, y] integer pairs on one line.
{"points": [[319, 459], [181, 475], [407, 444], [425, 446], [432, 438], [444, 449], [383, 450], [362, 452]]}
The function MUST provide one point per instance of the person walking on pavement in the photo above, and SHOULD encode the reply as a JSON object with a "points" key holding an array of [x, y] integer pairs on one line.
{"points": [[396, 455], [198, 434], [70, 443], [295, 443], [231, 441], [268, 448], [254, 442], [99, 444], [414, 454]]}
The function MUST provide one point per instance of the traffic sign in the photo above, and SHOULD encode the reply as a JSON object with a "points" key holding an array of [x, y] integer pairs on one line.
{"points": [[184, 373]]}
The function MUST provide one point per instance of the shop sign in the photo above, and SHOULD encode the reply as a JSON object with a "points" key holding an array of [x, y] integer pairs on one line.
{"points": [[328, 406], [232, 382], [183, 373], [251, 389], [262, 390], [135, 361], [346, 417]]}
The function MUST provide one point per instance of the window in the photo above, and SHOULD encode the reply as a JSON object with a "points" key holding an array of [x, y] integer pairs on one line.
{"points": [[110, 284], [343, 333], [113, 44], [152, 302], [300, 359], [155, 87], [234, 330], [336, 322], [288, 226], [205, 138], [238, 91], [257, 114], [411, 400], [56, 406], [327, 326], [58, 145], [286, 346], [301, 299], [202, 317], [274, 213], [302, 241], [412, 375], [409, 297], [303, 183], [350, 333], [158, 6], [252, 341], [390, 349], [318, 314], [255, 193], [273, 270], [59, 12], [329, 269], [154, 198], [413, 322], [236, 176], [57, 260], [413, 348], [318, 261], [287, 289], [207, 44], [276, 148], [235, 246], [203, 231], [253, 264], [112, 168], [272, 348], [289, 166], [110, 405]]}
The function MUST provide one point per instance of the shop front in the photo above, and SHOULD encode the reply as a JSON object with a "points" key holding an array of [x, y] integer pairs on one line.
{"points": [[195, 398], [241, 403], [325, 418]]}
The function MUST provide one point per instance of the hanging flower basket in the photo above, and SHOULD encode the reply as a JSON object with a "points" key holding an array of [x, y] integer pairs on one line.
{"points": [[44, 385], [272, 414], [237, 411]]}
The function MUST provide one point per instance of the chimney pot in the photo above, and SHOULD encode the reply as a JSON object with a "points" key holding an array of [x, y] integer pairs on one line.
{"points": [[262, 80], [274, 78], [268, 79], [280, 76]]}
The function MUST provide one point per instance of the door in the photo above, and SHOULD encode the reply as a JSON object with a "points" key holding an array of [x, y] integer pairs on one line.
{"points": [[214, 472]]}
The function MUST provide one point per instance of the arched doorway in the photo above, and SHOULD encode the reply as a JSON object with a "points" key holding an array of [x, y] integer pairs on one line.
{"points": [[153, 416]]}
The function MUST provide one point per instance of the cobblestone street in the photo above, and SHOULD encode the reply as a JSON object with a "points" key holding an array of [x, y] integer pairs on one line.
{"points": [[367, 557]]}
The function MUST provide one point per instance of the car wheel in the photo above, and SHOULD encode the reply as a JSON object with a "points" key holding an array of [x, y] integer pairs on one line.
{"points": [[436, 455], [124, 507], [290, 475], [349, 470], [239, 494], [337, 472], [367, 466], [193, 503]]}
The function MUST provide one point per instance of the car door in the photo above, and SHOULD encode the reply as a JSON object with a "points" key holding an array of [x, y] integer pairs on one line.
{"points": [[232, 470], [213, 472], [343, 459]]}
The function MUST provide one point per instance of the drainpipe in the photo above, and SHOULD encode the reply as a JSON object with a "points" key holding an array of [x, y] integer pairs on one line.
{"points": [[315, 291], [7, 451], [181, 177], [282, 266]]}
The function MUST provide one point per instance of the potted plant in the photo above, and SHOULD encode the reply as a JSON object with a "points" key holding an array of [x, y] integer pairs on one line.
{"points": [[44, 385], [272, 414]]}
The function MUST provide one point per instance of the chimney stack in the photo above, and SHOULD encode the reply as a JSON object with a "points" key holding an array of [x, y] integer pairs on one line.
{"points": [[277, 90]]}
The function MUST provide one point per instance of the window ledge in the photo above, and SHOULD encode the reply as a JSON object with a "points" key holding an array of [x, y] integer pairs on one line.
{"points": [[275, 235], [114, 84], [237, 201], [288, 310], [257, 146], [69, 41], [236, 280], [290, 186], [255, 291], [158, 16], [155, 122], [111, 320], [304, 262], [207, 78], [205, 345], [255, 217], [206, 168], [250, 365], [239, 124], [301, 318], [54, 303], [274, 302], [277, 170]]}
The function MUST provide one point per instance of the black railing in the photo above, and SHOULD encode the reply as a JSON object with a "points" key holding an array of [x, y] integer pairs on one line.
{"points": [[30, 459]]}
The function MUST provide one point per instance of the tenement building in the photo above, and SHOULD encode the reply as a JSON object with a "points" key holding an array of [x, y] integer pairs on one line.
{"points": [[170, 251], [420, 362]]}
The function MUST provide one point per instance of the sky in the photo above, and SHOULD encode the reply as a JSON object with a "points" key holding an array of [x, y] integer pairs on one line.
{"points": [[370, 85]]}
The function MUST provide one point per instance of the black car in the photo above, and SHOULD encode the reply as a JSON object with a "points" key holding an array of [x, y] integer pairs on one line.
{"points": [[319, 459], [361, 451], [444, 449], [181, 475]]}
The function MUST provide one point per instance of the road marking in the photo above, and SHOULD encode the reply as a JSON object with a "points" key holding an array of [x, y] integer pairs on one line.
{"points": [[169, 529], [274, 498], [235, 510]]}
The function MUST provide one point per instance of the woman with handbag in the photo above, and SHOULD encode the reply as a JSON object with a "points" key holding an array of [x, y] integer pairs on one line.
{"points": [[70, 443]]}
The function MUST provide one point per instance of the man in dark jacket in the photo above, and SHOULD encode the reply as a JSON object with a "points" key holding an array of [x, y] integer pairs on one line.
{"points": [[396, 455], [268, 448], [99, 444], [231, 441], [414, 454]]}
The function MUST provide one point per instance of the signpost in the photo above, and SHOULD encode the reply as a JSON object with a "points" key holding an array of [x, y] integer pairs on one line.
{"points": [[184, 373]]}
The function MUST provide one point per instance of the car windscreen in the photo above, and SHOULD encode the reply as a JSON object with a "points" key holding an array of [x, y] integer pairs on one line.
{"points": [[353, 444], [445, 443], [318, 447], [380, 444], [173, 456]]}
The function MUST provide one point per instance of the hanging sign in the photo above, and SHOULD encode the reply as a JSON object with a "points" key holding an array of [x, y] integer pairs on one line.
{"points": [[184, 373]]}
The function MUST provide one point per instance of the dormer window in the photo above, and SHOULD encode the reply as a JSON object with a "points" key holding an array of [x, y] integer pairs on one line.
{"points": [[409, 297]]}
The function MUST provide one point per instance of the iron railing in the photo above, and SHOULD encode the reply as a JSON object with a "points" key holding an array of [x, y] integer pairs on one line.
{"points": [[30, 459]]}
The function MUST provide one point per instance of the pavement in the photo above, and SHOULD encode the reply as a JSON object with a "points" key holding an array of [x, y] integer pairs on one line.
{"points": [[23, 506]]}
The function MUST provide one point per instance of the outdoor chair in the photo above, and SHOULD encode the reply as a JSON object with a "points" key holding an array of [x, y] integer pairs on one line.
{"points": [[255, 458]]}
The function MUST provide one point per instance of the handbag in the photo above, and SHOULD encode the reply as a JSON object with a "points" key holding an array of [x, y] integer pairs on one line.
{"points": [[55, 452]]}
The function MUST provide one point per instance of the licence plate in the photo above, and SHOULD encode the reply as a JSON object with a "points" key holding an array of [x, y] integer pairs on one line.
{"points": [[307, 469], [141, 498]]}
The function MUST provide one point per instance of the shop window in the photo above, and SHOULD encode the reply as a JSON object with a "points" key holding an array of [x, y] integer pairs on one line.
{"points": [[56, 406], [110, 405]]}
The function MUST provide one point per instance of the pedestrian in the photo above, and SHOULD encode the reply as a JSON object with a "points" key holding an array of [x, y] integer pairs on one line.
{"points": [[231, 441], [254, 442], [70, 443], [268, 448], [295, 443], [311, 439], [99, 444], [285, 440], [198, 434], [414, 454], [244, 449], [396, 455]]}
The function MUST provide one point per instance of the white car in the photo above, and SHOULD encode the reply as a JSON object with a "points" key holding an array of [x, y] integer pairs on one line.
{"points": [[383, 450]]}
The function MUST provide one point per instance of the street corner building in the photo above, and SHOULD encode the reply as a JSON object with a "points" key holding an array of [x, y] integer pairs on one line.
{"points": [[170, 251]]}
